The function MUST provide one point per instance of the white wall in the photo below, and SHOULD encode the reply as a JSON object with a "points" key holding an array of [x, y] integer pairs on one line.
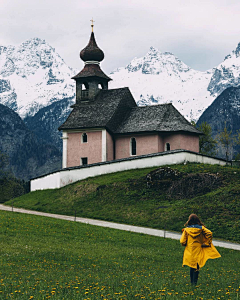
{"points": [[67, 176], [51, 181]]}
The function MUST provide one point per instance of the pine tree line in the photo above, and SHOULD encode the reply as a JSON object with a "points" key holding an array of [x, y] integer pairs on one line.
{"points": [[226, 140], [10, 186]]}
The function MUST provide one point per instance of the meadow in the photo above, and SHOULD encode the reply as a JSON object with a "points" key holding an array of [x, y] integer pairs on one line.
{"points": [[44, 258], [124, 197]]}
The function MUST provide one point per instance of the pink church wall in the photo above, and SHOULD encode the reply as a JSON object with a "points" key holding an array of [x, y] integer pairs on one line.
{"points": [[161, 146], [109, 147], [153, 143], [182, 141], [76, 149], [145, 144]]}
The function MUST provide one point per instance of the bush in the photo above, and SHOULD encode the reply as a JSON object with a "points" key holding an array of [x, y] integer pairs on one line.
{"points": [[11, 187]]}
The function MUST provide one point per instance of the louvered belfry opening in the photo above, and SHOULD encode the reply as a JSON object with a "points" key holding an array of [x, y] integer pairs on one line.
{"points": [[91, 79]]}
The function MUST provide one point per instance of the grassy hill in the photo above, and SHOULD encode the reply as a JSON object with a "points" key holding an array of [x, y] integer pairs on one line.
{"points": [[45, 258], [157, 198]]}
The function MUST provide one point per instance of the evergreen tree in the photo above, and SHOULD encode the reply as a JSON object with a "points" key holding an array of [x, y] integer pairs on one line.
{"points": [[237, 156], [207, 144], [3, 163], [10, 187], [227, 140]]}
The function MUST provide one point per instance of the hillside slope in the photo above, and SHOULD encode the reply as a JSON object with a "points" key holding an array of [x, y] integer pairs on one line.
{"points": [[160, 199], [46, 121]]}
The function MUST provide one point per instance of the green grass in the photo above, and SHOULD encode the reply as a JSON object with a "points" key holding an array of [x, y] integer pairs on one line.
{"points": [[43, 258], [124, 197]]}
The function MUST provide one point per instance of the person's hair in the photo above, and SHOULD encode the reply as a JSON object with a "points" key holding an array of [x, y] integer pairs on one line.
{"points": [[193, 220]]}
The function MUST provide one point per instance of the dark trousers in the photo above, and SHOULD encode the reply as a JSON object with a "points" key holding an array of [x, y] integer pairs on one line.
{"points": [[194, 275]]}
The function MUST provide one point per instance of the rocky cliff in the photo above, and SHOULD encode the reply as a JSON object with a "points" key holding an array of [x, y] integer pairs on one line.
{"points": [[29, 156], [224, 111]]}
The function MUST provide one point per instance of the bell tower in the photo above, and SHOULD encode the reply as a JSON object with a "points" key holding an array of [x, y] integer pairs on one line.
{"points": [[91, 79]]}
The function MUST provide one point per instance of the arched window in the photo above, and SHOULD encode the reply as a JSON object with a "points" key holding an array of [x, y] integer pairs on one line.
{"points": [[85, 91], [85, 86], [167, 147], [100, 86], [133, 146], [84, 137]]}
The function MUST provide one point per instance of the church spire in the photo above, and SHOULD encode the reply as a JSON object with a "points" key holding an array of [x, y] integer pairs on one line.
{"points": [[92, 24], [92, 53], [91, 79]]}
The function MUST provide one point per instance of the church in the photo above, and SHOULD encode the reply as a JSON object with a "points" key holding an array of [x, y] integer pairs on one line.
{"points": [[106, 124]]}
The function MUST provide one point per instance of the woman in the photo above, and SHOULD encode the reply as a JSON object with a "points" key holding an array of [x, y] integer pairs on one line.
{"points": [[199, 248]]}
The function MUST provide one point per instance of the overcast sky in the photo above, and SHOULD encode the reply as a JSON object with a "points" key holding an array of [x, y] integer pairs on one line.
{"points": [[200, 33]]}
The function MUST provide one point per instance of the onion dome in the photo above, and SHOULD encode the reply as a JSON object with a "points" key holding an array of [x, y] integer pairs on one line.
{"points": [[91, 53]]}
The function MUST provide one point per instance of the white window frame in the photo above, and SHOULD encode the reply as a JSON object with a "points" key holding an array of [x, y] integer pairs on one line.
{"points": [[82, 161], [166, 147], [84, 133]]}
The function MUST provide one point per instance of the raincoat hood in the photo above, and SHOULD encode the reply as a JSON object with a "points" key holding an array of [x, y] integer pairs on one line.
{"points": [[194, 230]]}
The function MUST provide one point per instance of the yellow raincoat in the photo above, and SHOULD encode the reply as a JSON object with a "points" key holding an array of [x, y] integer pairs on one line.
{"points": [[193, 237]]}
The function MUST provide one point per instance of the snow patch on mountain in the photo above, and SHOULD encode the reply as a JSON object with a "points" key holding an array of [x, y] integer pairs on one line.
{"points": [[162, 78], [33, 76], [227, 74]]}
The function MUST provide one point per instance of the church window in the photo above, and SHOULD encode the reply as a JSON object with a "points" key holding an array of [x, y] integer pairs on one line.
{"points": [[133, 146], [167, 147], [100, 86], [85, 86], [84, 161], [85, 91], [84, 138]]}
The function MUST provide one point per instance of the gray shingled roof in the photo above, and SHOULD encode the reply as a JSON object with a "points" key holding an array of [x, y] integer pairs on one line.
{"points": [[161, 118], [117, 111], [108, 110]]}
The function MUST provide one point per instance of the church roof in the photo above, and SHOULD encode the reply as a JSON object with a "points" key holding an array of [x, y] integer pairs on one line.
{"points": [[159, 118], [117, 111], [90, 70], [108, 109]]}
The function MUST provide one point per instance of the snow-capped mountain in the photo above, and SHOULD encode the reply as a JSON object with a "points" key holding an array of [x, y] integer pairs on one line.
{"points": [[36, 83], [227, 74], [161, 78], [33, 76]]}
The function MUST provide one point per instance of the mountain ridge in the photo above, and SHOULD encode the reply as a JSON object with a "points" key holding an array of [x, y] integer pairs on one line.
{"points": [[224, 112], [32, 76], [36, 83], [28, 155], [168, 80]]}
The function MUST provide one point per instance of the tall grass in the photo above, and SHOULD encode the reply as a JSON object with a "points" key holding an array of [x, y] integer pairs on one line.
{"points": [[44, 258]]}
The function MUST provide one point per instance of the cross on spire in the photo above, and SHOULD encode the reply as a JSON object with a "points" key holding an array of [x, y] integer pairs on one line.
{"points": [[92, 24]]}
